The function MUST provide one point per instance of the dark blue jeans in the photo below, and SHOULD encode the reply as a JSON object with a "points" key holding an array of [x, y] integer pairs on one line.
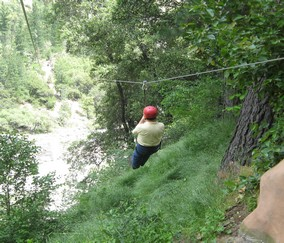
{"points": [[141, 154]]}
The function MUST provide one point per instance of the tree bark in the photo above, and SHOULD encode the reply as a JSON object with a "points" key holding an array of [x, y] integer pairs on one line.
{"points": [[123, 104], [255, 110]]}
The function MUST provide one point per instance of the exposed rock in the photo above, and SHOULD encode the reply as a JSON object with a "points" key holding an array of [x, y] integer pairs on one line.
{"points": [[266, 222], [239, 239]]}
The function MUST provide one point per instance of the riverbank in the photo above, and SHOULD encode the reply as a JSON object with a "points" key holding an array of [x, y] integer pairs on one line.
{"points": [[53, 147]]}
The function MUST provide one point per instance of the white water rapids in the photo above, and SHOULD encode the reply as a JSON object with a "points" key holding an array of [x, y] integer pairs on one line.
{"points": [[53, 145]]}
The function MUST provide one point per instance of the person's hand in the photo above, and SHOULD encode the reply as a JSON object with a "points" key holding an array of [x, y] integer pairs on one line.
{"points": [[142, 120]]}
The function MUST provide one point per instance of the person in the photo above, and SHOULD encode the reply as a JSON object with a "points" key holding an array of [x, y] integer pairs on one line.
{"points": [[149, 134]]}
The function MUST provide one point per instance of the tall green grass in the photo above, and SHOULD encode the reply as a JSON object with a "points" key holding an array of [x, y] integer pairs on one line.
{"points": [[175, 197]]}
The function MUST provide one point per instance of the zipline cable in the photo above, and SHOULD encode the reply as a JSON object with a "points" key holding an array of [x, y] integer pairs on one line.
{"points": [[218, 70], [27, 22], [121, 81], [195, 74]]}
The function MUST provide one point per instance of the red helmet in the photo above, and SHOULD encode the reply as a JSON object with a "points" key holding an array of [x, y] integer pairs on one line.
{"points": [[150, 112]]}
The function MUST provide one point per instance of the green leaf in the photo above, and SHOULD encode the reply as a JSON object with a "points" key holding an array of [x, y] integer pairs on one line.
{"points": [[211, 37], [210, 11]]}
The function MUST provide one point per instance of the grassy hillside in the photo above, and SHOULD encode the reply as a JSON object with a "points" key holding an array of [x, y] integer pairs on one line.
{"points": [[176, 196]]}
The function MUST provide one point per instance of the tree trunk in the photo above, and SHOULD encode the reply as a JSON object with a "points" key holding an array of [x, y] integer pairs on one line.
{"points": [[255, 111], [123, 104]]}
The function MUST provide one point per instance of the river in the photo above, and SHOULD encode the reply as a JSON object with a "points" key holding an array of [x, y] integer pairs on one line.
{"points": [[53, 146]]}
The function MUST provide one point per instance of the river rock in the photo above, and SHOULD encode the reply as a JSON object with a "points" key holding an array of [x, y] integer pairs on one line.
{"points": [[266, 222]]}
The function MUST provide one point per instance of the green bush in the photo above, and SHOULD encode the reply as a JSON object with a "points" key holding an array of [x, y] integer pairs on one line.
{"points": [[23, 203], [199, 101], [39, 91], [90, 101], [72, 74], [73, 94], [192, 106], [21, 119], [271, 150], [64, 113], [49, 102]]}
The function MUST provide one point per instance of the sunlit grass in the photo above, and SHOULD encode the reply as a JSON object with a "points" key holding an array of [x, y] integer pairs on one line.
{"points": [[176, 192]]}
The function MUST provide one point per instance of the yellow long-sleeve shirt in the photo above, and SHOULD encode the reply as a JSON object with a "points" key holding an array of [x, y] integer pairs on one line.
{"points": [[149, 133]]}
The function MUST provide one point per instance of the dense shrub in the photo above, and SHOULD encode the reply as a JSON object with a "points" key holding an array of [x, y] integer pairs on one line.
{"points": [[25, 120], [24, 195], [64, 113], [72, 76], [39, 92]]}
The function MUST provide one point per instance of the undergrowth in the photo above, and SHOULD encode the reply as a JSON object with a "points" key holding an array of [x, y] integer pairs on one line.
{"points": [[176, 196]]}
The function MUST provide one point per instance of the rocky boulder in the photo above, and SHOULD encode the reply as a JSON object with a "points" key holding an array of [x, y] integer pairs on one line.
{"points": [[266, 222]]}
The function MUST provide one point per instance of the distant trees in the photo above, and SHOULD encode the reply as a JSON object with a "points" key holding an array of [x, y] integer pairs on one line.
{"points": [[21, 77], [72, 76], [17, 51]]}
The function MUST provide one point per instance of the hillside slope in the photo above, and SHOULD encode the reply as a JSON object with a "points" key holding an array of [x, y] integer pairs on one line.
{"points": [[176, 196]]}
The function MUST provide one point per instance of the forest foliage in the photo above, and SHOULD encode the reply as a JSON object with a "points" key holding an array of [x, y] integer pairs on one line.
{"points": [[137, 41], [21, 75], [117, 56]]}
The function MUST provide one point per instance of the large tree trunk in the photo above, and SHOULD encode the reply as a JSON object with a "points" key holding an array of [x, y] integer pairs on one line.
{"points": [[255, 110]]}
